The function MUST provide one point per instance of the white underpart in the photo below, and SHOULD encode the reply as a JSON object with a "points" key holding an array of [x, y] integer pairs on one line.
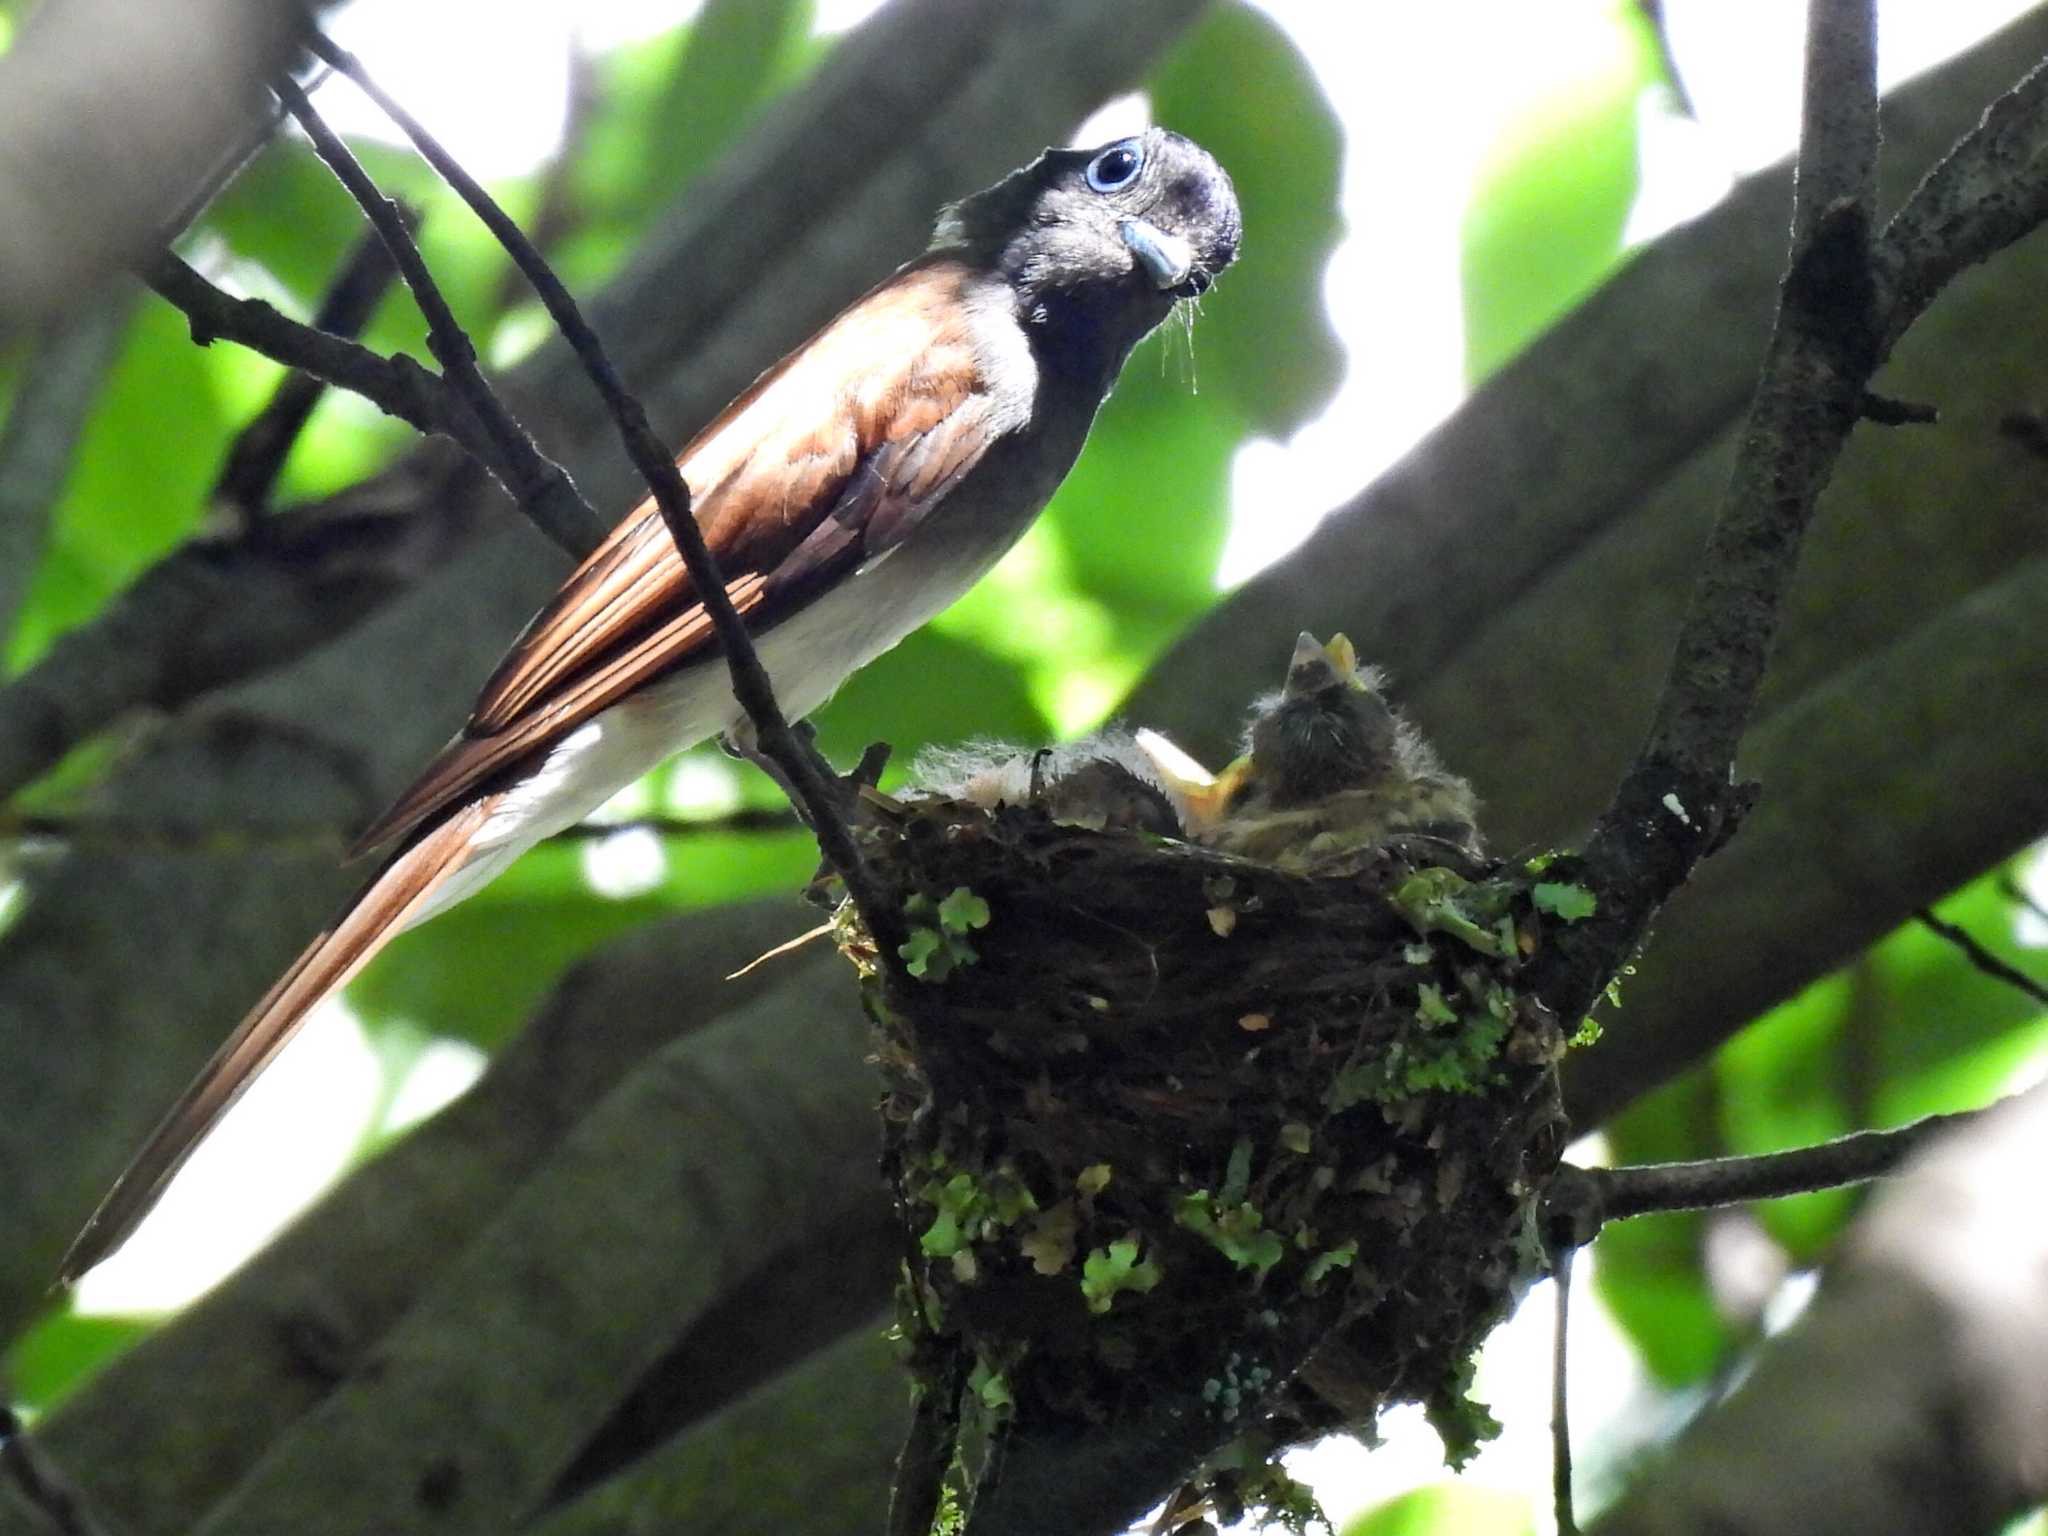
{"points": [[807, 658]]}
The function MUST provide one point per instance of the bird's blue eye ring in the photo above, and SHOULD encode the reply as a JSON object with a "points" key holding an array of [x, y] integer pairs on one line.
{"points": [[1116, 167]]}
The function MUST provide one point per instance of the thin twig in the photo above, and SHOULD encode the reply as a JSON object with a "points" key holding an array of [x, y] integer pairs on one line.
{"points": [[45, 1488], [1982, 958], [2017, 894], [542, 487], [257, 456], [397, 386], [1987, 192], [1560, 1415], [558, 208], [1595, 1196], [810, 778]]}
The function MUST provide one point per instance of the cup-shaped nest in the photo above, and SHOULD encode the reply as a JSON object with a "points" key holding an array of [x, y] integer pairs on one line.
{"points": [[1183, 1139]]}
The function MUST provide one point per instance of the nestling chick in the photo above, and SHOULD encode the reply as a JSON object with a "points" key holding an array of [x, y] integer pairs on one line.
{"points": [[1330, 768], [1102, 781]]}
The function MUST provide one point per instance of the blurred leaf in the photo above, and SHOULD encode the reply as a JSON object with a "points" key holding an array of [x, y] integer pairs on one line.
{"points": [[1911, 1028], [476, 972], [286, 212], [1447, 1509], [1549, 207], [61, 1353], [1141, 520], [144, 466], [1264, 340], [650, 143], [1648, 1270], [937, 686], [665, 110], [1649, 1277]]}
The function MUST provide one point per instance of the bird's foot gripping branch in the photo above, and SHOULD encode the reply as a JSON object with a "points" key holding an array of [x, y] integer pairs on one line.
{"points": [[1196, 1157]]}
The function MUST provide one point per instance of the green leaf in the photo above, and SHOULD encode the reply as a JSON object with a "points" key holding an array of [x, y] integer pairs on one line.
{"points": [[61, 1353], [924, 954], [1237, 1231], [1447, 1509], [1330, 1259], [1548, 210], [661, 127], [1571, 903], [1263, 340], [1431, 1008], [962, 910], [991, 1386], [1107, 1272], [139, 480], [1440, 900]]}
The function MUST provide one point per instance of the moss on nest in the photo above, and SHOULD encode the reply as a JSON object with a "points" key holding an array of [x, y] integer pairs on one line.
{"points": [[1166, 1123]]}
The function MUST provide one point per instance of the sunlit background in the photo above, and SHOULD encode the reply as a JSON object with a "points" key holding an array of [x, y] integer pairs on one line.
{"points": [[1428, 122]]}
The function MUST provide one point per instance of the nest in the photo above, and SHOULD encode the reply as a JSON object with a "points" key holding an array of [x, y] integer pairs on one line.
{"points": [[1169, 1127]]}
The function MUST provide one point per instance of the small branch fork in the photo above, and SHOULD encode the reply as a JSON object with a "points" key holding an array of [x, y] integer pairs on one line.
{"points": [[810, 779], [257, 457], [537, 482], [1847, 297]]}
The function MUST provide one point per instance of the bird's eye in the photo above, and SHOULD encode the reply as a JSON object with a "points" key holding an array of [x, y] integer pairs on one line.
{"points": [[1115, 168]]}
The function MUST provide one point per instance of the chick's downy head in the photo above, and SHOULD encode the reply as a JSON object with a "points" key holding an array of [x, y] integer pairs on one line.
{"points": [[1328, 728]]}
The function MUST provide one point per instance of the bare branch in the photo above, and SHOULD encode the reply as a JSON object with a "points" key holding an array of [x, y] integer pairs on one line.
{"points": [[1677, 803], [397, 386], [540, 486], [257, 456], [1560, 1412], [1990, 190], [1585, 1199]]}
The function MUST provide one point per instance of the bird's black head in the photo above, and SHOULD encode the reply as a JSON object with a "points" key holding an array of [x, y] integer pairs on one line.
{"points": [[1108, 237], [1328, 729]]}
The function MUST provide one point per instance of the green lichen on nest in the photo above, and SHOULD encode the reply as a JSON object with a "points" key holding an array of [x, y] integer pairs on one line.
{"points": [[1207, 1130]]}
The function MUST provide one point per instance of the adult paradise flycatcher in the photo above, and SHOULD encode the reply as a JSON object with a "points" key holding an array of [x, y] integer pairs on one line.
{"points": [[853, 491]]}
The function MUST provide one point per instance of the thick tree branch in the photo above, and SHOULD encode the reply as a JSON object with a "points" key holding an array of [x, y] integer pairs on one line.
{"points": [[1989, 191], [259, 1354], [1886, 793], [540, 485], [845, 1406], [53, 399], [115, 122], [574, 1287]]}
